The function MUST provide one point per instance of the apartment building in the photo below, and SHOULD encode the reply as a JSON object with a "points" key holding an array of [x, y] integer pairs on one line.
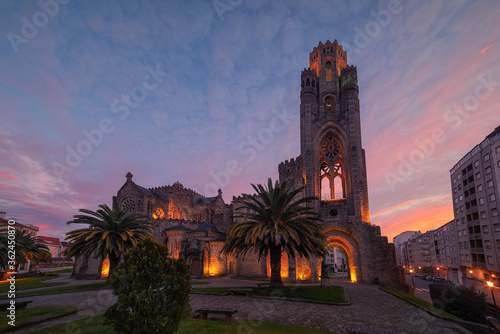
{"points": [[475, 181]]}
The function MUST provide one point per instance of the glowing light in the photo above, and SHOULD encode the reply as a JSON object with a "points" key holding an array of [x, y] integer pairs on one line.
{"points": [[105, 268], [470, 271], [353, 275], [490, 284], [411, 270]]}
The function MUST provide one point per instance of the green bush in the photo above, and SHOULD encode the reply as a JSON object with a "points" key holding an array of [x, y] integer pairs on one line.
{"points": [[462, 301], [153, 291]]}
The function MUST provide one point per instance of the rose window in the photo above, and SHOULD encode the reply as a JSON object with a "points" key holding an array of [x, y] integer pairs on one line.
{"points": [[197, 217], [331, 147], [158, 213], [128, 204]]}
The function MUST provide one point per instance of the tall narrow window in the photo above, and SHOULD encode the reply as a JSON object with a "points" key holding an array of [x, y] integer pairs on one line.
{"points": [[328, 71], [326, 192], [338, 187]]}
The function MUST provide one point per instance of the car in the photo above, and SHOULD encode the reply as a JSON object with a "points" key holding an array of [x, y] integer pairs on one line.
{"points": [[428, 278], [441, 280]]}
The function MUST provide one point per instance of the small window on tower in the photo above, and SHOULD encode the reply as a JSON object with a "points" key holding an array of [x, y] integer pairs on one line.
{"points": [[329, 103], [328, 67]]}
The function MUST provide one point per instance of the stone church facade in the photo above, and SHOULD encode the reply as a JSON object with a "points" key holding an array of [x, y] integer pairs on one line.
{"points": [[331, 167]]}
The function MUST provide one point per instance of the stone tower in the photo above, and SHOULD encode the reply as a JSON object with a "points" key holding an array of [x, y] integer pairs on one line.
{"points": [[332, 164]]}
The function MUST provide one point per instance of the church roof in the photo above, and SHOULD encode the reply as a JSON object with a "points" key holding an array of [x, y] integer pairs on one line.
{"points": [[206, 200], [177, 228], [207, 227], [147, 191]]}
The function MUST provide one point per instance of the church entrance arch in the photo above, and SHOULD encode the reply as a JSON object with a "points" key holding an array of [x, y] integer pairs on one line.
{"points": [[195, 265], [348, 244]]}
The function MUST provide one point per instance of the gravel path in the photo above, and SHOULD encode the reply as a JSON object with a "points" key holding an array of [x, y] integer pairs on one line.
{"points": [[372, 311]]}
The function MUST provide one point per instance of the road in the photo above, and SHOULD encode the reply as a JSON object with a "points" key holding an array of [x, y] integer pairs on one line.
{"points": [[421, 287]]}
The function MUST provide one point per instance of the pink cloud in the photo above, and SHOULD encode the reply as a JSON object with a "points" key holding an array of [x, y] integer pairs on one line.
{"points": [[486, 48]]}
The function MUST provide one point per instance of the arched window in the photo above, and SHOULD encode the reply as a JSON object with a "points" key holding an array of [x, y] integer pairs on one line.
{"points": [[326, 191], [328, 71], [332, 178], [329, 103], [308, 83], [338, 187]]}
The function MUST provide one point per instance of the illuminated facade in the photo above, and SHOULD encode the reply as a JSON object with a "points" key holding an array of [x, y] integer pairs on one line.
{"points": [[331, 167]]}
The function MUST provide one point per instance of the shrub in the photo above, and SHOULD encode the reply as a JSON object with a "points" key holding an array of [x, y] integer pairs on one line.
{"points": [[153, 291], [462, 301]]}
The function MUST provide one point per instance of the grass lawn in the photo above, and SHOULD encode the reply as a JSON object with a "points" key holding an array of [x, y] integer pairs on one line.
{"points": [[420, 302], [29, 283], [314, 293], [82, 287], [23, 316], [94, 325], [62, 271]]}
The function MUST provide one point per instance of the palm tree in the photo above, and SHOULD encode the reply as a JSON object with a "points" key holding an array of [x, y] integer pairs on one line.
{"points": [[25, 247], [111, 233], [275, 221]]}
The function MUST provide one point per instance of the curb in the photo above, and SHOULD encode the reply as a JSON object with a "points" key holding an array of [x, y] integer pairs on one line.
{"points": [[282, 298], [54, 293], [39, 321]]}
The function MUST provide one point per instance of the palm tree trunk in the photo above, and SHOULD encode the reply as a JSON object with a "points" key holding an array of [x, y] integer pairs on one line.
{"points": [[275, 259], [113, 263]]}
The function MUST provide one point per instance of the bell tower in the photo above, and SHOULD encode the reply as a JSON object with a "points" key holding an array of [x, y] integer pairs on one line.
{"points": [[331, 150], [332, 168]]}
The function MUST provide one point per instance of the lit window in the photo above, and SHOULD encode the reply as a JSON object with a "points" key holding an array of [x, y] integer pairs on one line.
{"points": [[481, 201]]}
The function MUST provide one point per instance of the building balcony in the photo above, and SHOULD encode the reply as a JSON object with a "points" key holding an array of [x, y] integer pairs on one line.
{"points": [[470, 197], [477, 250], [474, 222], [475, 236], [479, 265]]}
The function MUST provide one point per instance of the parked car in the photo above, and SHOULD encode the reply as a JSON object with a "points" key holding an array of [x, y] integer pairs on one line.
{"points": [[441, 280], [428, 278]]}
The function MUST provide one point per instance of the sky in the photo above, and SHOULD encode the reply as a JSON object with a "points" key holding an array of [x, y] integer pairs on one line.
{"points": [[184, 91]]}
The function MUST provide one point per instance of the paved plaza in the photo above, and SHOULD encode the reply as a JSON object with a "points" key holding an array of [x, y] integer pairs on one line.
{"points": [[371, 310]]}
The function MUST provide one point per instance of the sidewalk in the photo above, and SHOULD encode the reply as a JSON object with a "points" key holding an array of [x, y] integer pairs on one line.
{"points": [[372, 311]]}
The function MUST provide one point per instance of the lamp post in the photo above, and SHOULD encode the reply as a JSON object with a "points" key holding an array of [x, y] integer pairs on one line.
{"points": [[490, 284], [412, 283]]}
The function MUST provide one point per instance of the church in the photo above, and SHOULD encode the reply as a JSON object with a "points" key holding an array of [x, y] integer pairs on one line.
{"points": [[331, 166]]}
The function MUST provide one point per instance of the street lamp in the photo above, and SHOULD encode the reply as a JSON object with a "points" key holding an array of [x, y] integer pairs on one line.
{"points": [[490, 284], [412, 283]]}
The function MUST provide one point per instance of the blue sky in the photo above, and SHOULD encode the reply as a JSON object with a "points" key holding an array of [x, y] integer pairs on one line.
{"points": [[182, 90]]}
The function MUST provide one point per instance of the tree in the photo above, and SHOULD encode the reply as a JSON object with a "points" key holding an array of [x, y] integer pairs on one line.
{"points": [[111, 233], [153, 291], [275, 220], [25, 246], [465, 302]]}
